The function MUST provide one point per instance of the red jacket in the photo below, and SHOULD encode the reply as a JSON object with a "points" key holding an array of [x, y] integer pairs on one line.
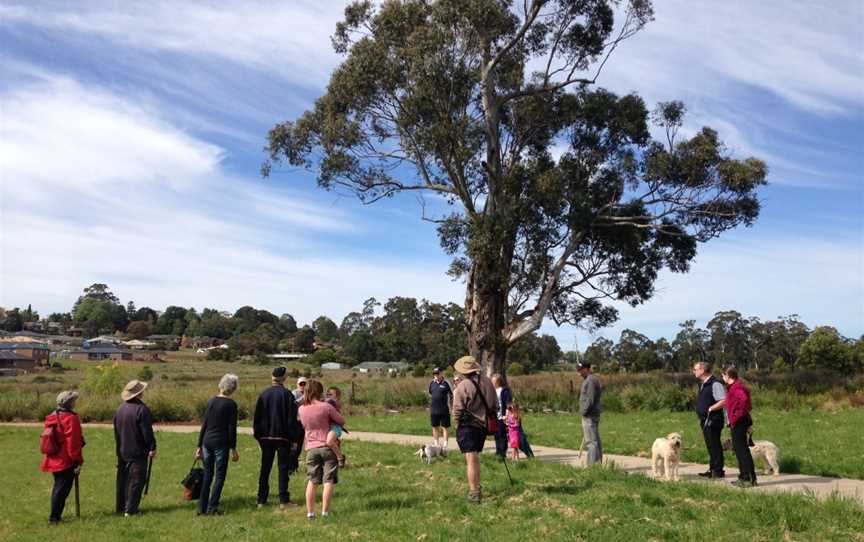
{"points": [[71, 441], [737, 402]]}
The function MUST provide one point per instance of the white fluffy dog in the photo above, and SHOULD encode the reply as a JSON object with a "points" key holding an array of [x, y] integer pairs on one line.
{"points": [[666, 451], [765, 450], [429, 452]]}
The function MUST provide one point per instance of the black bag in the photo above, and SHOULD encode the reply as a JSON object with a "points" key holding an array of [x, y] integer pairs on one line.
{"points": [[192, 482]]}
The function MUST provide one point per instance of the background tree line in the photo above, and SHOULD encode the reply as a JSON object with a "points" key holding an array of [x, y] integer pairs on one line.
{"points": [[428, 334]]}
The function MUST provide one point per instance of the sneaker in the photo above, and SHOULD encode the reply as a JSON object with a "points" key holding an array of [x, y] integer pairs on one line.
{"points": [[310, 515], [474, 497], [325, 514], [261, 505]]}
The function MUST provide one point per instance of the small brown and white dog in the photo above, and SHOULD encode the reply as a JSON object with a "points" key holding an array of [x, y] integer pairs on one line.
{"points": [[429, 452], [668, 452], [765, 450]]}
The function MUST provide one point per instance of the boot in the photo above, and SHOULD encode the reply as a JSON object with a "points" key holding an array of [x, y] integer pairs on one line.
{"points": [[474, 497]]}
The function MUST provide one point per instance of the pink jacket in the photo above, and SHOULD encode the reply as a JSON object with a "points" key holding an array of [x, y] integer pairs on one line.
{"points": [[737, 402], [317, 419]]}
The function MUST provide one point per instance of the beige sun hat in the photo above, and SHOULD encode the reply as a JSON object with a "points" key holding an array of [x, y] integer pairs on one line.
{"points": [[466, 365], [133, 389]]}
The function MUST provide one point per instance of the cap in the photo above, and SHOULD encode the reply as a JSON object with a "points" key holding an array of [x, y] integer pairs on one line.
{"points": [[583, 365], [279, 372], [436, 370]]}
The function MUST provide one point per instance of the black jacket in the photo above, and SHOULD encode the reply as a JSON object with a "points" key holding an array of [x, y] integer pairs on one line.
{"points": [[133, 431], [276, 416]]}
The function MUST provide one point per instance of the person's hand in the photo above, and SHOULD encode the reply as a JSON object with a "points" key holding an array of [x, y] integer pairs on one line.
{"points": [[198, 453], [77, 469], [235, 456], [152, 454]]}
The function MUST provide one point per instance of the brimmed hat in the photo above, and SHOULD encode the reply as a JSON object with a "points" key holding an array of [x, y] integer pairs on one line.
{"points": [[466, 365], [301, 380], [133, 389], [66, 398]]}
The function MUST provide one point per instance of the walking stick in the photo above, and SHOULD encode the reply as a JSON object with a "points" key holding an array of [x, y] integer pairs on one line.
{"points": [[149, 471], [77, 499], [507, 469]]}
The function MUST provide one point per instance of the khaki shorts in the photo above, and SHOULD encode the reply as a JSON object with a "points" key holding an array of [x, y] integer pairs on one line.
{"points": [[321, 466]]}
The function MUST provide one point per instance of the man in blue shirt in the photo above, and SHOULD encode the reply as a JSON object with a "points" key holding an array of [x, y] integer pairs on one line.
{"points": [[442, 396]]}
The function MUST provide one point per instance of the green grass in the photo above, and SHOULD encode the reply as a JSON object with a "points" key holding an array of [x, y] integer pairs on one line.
{"points": [[807, 439], [388, 495]]}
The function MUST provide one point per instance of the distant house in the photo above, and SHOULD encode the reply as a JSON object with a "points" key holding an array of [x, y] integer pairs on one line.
{"points": [[76, 332], [135, 344], [222, 346], [36, 352], [287, 355], [205, 342], [100, 352], [381, 366], [102, 340], [331, 366], [65, 340], [34, 326], [13, 362], [164, 339]]}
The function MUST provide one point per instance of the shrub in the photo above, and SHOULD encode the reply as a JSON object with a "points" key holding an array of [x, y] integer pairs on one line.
{"points": [[103, 380], [146, 373], [515, 369]]}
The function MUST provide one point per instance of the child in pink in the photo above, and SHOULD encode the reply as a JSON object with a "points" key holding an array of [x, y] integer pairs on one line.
{"points": [[514, 427]]}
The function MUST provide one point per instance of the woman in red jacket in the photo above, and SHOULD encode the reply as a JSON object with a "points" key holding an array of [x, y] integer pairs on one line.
{"points": [[738, 413], [66, 463]]}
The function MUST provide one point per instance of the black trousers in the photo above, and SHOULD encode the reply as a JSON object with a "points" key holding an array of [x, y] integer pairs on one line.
{"points": [[131, 476], [269, 450], [712, 436], [63, 482], [501, 439], [747, 471]]}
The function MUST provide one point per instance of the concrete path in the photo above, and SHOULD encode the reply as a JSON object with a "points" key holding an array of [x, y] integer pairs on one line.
{"points": [[688, 472]]}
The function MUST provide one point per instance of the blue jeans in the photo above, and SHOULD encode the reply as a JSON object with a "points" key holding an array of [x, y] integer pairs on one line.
{"points": [[215, 469]]}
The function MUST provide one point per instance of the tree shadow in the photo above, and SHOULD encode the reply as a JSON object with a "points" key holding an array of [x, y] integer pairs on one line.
{"points": [[567, 489]]}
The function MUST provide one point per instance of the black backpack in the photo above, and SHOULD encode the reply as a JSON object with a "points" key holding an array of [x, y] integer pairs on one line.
{"points": [[192, 482]]}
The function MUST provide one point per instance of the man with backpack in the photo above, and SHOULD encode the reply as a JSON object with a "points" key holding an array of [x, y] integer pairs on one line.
{"points": [[474, 409], [61, 442], [135, 443], [279, 434]]}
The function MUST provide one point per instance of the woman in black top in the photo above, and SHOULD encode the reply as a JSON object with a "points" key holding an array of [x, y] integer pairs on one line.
{"points": [[218, 435]]}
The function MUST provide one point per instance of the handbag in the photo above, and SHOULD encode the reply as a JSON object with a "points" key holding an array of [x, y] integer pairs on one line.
{"points": [[192, 482], [491, 418]]}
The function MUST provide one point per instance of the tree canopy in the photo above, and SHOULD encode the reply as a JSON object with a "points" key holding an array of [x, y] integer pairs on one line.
{"points": [[468, 99]]}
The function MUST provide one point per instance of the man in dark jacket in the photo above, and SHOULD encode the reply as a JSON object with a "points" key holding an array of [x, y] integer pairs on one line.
{"points": [[709, 408], [134, 440], [279, 433]]}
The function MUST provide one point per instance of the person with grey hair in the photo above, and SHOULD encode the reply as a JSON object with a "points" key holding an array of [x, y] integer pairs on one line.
{"points": [[66, 460], [218, 435], [709, 408]]}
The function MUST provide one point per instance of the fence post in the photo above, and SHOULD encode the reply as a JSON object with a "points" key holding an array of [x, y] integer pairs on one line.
{"points": [[351, 396], [572, 389]]}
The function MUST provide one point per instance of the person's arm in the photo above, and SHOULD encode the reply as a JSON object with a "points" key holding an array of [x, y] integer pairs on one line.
{"points": [[458, 403], [232, 431], [204, 425], [257, 418], [116, 438], [718, 390], [73, 440], [335, 416], [145, 423]]}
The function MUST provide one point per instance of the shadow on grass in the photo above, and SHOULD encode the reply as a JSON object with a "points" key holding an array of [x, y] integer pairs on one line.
{"points": [[567, 489], [790, 465], [393, 503]]}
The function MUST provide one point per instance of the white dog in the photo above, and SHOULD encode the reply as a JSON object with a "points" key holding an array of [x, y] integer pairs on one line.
{"points": [[765, 450], [429, 452], [666, 450]]}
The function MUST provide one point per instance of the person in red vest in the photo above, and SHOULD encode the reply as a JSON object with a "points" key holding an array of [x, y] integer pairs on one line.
{"points": [[66, 462], [738, 408]]}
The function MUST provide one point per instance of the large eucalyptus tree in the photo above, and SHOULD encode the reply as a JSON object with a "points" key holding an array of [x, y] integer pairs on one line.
{"points": [[562, 199]]}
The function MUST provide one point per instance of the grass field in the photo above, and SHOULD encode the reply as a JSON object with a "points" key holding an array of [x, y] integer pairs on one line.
{"points": [[808, 440], [387, 495]]}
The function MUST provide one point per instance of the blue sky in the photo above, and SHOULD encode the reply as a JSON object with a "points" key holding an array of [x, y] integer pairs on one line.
{"points": [[131, 137]]}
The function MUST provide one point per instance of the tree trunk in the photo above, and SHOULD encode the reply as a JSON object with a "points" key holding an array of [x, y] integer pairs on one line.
{"points": [[484, 310]]}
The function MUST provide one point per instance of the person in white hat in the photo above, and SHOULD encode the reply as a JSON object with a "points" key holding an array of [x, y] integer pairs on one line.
{"points": [[301, 387], [135, 443]]}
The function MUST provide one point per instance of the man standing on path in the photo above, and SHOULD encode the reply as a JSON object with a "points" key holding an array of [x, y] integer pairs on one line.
{"points": [[709, 408], [590, 409], [135, 443], [439, 410], [474, 402], [278, 432], [504, 399]]}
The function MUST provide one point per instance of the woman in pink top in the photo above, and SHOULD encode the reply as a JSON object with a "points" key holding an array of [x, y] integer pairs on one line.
{"points": [[322, 465]]}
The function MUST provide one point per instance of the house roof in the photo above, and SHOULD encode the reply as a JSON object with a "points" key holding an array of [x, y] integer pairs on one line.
{"points": [[102, 349], [22, 346], [161, 337], [10, 355]]}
